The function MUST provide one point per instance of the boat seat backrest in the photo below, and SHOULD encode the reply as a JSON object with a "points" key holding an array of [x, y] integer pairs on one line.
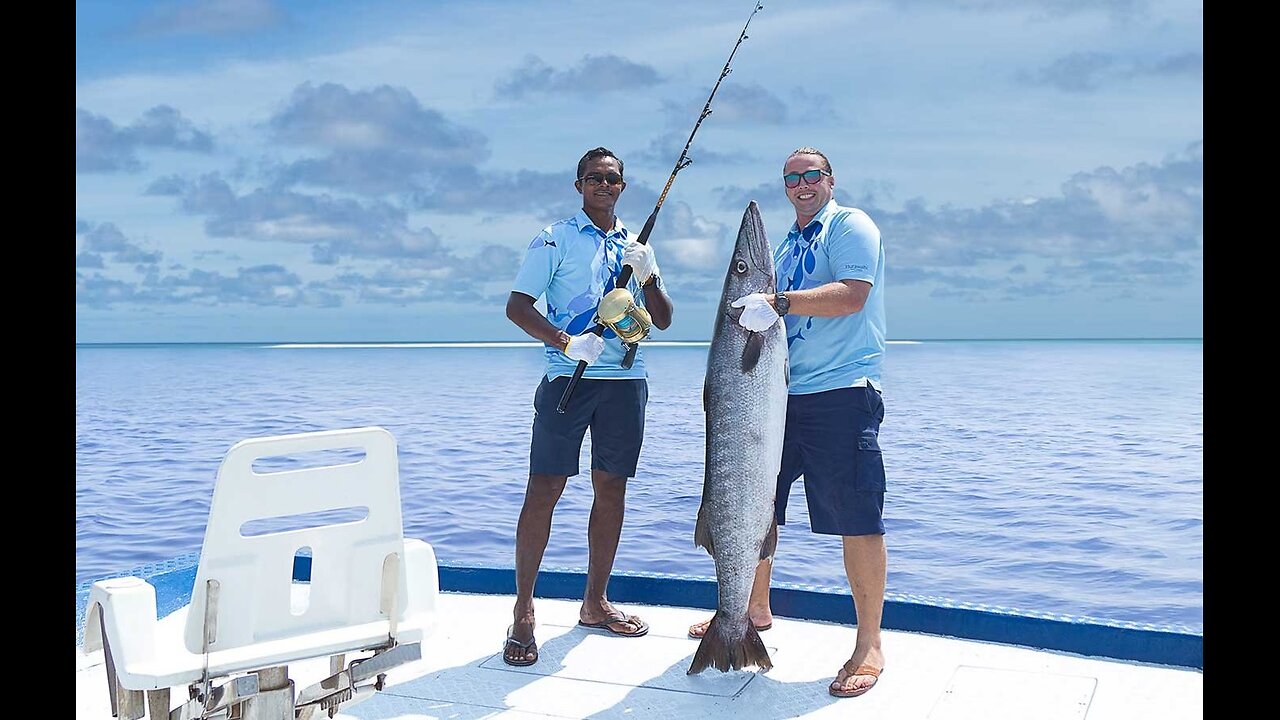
{"points": [[355, 559]]}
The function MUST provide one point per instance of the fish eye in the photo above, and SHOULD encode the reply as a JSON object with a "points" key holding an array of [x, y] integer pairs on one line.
{"points": [[740, 267]]}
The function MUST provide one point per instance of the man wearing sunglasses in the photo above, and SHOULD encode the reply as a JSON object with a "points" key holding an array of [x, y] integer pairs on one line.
{"points": [[573, 263], [830, 272]]}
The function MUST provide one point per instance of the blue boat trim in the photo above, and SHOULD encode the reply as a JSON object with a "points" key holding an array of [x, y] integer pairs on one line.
{"points": [[1159, 645]]}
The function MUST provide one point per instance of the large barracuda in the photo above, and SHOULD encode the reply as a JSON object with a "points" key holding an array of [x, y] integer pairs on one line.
{"points": [[745, 400]]}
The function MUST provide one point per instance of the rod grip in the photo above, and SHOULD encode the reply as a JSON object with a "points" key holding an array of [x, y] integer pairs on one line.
{"points": [[577, 372], [648, 227], [573, 383]]}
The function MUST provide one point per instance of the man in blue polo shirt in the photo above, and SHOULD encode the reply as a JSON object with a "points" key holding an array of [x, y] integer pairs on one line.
{"points": [[573, 263], [830, 272]]}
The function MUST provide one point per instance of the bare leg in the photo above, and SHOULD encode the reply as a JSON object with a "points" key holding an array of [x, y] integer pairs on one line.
{"points": [[604, 528], [532, 531], [865, 562], [758, 609]]}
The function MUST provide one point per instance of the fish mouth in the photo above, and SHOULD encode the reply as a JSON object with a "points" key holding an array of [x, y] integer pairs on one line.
{"points": [[753, 247]]}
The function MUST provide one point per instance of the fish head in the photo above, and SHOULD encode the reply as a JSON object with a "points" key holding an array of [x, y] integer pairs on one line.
{"points": [[751, 265]]}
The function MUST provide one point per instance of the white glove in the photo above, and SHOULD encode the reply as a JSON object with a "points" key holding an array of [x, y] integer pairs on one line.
{"points": [[757, 314], [585, 347], [640, 257]]}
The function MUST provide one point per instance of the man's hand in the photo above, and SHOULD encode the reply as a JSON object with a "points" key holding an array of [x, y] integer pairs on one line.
{"points": [[757, 314], [640, 257], [585, 347]]}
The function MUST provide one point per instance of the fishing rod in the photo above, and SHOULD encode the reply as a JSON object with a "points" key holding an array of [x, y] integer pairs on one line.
{"points": [[617, 309]]}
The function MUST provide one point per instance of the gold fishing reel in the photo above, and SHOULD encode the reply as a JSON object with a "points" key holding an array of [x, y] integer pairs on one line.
{"points": [[618, 312]]}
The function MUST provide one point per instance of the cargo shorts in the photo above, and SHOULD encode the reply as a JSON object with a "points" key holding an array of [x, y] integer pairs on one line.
{"points": [[832, 438]]}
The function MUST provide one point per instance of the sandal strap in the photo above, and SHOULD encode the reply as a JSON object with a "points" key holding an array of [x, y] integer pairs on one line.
{"points": [[511, 640], [863, 669]]}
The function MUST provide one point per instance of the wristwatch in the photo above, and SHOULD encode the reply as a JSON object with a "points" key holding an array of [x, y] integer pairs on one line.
{"points": [[654, 281], [781, 303]]}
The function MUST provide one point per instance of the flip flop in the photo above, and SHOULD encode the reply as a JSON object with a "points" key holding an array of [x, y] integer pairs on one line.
{"points": [[862, 670], [525, 647], [707, 623], [642, 627]]}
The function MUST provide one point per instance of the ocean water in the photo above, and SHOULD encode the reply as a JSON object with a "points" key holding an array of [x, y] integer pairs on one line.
{"points": [[1059, 477]]}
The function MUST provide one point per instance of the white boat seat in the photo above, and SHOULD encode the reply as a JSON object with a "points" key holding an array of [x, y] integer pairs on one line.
{"points": [[371, 589]]}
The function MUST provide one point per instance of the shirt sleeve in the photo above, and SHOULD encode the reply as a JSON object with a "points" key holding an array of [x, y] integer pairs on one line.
{"points": [[540, 262], [853, 246]]}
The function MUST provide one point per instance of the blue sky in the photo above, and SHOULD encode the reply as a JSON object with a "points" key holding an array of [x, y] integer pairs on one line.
{"points": [[249, 170]]}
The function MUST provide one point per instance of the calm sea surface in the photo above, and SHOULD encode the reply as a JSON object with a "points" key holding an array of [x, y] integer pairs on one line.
{"points": [[1061, 477]]}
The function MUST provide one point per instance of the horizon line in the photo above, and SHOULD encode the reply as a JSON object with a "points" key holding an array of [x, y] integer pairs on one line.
{"points": [[339, 344]]}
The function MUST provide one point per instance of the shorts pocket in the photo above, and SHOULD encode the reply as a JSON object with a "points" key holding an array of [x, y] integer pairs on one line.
{"points": [[869, 465]]}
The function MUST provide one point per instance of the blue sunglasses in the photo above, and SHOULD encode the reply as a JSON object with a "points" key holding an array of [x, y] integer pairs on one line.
{"points": [[809, 176]]}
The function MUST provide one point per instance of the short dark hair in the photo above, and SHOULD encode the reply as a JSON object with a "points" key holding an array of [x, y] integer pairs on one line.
{"points": [[594, 153], [807, 150]]}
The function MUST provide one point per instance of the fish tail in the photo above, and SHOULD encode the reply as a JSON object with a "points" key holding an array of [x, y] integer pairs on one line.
{"points": [[717, 649], [754, 651]]}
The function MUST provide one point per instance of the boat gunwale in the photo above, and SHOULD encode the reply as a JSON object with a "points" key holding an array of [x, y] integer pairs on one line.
{"points": [[1135, 642]]}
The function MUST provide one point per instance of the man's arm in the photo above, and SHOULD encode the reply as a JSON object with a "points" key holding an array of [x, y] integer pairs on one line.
{"points": [[852, 247], [658, 303], [840, 297], [520, 310]]}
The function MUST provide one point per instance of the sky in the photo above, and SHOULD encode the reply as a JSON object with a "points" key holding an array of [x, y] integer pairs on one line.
{"points": [[272, 171]]}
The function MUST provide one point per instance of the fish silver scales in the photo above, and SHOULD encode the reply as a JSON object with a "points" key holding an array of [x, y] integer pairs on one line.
{"points": [[745, 401]]}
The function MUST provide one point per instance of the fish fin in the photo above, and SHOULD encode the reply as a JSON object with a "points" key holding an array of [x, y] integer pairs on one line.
{"points": [[770, 544], [751, 351], [786, 372], [702, 534], [718, 650], [705, 404]]}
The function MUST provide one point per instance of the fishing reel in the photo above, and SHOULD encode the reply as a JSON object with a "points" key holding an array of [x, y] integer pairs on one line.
{"points": [[618, 312]]}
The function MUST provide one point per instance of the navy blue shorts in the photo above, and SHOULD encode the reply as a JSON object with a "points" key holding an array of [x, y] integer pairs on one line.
{"points": [[613, 409], [833, 439]]}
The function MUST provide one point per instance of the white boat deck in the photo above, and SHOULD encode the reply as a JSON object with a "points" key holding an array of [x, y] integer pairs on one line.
{"points": [[584, 673]]}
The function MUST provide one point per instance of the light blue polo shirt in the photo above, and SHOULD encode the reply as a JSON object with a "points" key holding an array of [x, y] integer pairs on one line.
{"points": [[574, 263], [827, 353]]}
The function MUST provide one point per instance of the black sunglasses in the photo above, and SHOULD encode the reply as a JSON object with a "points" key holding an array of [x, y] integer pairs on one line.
{"points": [[596, 178], [810, 177]]}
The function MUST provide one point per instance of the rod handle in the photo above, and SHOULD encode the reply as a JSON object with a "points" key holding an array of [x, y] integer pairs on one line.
{"points": [[573, 383], [577, 375]]}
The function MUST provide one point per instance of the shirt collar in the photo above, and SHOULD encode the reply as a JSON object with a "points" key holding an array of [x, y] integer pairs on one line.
{"points": [[584, 225], [806, 235]]}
